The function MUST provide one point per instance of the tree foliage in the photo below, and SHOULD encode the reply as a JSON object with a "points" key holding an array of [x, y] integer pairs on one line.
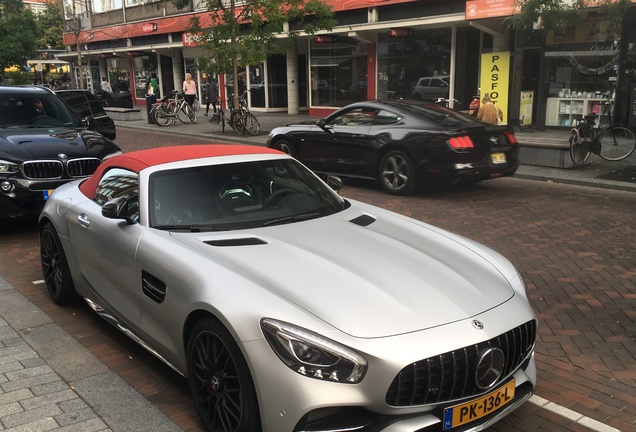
{"points": [[17, 36], [240, 34], [552, 14], [50, 25]]}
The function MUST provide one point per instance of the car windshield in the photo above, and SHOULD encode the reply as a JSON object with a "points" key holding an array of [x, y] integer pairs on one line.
{"points": [[239, 195], [30, 109]]}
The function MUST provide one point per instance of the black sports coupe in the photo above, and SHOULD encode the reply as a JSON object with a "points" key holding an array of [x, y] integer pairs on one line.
{"points": [[402, 144]]}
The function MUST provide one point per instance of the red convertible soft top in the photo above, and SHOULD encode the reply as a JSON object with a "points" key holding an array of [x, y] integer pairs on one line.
{"points": [[139, 160]]}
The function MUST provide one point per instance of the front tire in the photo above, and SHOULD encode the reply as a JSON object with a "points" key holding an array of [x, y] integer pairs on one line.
{"points": [[617, 143], [397, 173], [285, 146], [251, 124], [163, 115], [220, 381], [57, 275]]}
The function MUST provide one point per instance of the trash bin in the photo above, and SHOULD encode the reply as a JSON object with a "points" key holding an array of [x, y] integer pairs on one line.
{"points": [[151, 99]]}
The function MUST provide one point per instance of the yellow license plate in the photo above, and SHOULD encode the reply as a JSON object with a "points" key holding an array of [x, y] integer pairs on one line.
{"points": [[478, 408], [498, 158]]}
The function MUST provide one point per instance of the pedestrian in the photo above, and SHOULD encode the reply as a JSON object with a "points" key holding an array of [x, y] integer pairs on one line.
{"points": [[489, 112], [106, 86], [189, 89], [210, 95], [154, 84]]}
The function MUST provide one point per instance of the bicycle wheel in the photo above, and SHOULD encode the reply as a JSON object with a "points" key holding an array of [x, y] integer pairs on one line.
{"points": [[617, 143], [192, 114], [252, 126], [237, 123], [182, 113], [163, 115], [578, 152]]}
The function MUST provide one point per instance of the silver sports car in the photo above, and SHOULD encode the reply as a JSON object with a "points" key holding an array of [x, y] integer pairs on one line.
{"points": [[288, 307]]}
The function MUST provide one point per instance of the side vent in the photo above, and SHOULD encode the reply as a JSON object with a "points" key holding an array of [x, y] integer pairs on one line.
{"points": [[364, 220], [245, 241], [152, 287]]}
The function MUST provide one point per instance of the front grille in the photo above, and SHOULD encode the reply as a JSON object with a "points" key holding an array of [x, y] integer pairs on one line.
{"points": [[55, 169], [451, 376], [43, 169], [82, 167]]}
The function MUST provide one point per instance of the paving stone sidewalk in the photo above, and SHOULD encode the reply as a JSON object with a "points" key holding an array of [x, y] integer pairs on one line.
{"points": [[61, 386]]}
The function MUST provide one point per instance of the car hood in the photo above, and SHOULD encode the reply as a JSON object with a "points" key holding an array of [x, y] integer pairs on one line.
{"points": [[387, 277], [45, 143]]}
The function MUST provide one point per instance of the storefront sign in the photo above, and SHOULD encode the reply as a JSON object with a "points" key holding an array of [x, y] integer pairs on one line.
{"points": [[478, 9], [190, 39], [150, 27], [400, 32], [326, 39], [525, 108], [495, 78]]}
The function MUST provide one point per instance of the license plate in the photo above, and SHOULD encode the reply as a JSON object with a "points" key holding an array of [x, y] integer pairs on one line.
{"points": [[476, 409], [498, 158], [47, 193]]}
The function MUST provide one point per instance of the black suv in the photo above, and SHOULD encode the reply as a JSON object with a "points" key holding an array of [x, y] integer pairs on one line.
{"points": [[43, 144]]}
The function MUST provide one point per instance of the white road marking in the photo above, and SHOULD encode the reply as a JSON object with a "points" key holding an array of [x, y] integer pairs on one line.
{"points": [[572, 415]]}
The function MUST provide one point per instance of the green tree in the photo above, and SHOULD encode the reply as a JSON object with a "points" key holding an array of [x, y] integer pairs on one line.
{"points": [[243, 34], [51, 26], [552, 14], [17, 38]]}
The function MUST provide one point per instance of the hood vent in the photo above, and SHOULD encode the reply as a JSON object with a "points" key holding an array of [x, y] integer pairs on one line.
{"points": [[364, 220], [243, 241]]}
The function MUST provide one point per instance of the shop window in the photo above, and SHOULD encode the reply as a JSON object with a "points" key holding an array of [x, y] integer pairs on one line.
{"points": [[404, 60], [118, 74], [100, 6], [338, 72], [143, 68]]}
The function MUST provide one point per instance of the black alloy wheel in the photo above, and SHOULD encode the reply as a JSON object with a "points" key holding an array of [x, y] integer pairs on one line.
{"points": [[220, 381], [396, 173], [285, 146], [57, 275]]}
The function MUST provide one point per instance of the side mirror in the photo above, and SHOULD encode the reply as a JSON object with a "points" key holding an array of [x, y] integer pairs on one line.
{"points": [[89, 123], [322, 123], [334, 182], [117, 208]]}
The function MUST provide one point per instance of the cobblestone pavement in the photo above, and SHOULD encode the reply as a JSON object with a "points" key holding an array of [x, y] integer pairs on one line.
{"points": [[574, 245]]}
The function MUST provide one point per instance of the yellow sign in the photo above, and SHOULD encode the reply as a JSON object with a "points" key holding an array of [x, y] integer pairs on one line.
{"points": [[525, 108], [495, 79]]}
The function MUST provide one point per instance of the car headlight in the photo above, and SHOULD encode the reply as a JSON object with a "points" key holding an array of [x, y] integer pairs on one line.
{"points": [[8, 167], [312, 355]]}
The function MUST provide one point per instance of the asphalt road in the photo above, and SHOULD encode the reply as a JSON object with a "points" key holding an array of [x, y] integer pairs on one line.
{"points": [[574, 245]]}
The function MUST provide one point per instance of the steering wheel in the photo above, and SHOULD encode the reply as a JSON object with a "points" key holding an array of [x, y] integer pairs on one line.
{"points": [[275, 198]]}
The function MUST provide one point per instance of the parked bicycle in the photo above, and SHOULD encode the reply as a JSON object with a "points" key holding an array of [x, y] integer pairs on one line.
{"points": [[609, 141], [250, 122], [172, 107], [232, 119], [241, 119]]}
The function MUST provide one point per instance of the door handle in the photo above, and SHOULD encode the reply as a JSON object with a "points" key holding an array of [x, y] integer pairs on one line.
{"points": [[83, 220]]}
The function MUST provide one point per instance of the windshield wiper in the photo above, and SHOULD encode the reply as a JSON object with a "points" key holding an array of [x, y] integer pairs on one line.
{"points": [[293, 218], [193, 228]]}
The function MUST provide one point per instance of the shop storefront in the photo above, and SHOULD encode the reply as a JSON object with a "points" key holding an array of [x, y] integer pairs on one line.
{"points": [[581, 66]]}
